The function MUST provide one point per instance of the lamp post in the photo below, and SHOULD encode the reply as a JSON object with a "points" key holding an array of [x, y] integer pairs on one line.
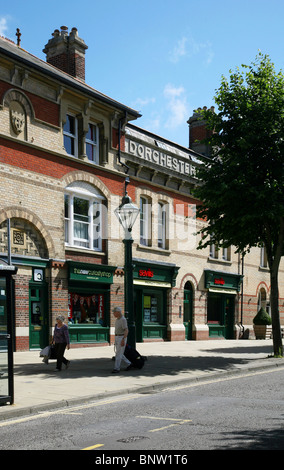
{"points": [[127, 213]]}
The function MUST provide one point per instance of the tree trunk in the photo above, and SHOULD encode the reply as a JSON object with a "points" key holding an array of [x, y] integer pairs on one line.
{"points": [[275, 316]]}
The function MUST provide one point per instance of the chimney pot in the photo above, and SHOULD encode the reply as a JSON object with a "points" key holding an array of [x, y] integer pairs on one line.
{"points": [[67, 52]]}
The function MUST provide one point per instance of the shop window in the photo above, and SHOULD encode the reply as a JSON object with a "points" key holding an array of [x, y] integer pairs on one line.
{"points": [[162, 225], [214, 310], [153, 308], [92, 147], [84, 219], [70, 135], [145, 222], [86, 309]]}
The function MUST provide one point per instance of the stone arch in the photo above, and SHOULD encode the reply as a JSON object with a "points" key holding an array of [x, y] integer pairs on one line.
{"points": [[189, 278], [14, 94], [262, 296], [21, 112], [87, 178], [17, 213]]}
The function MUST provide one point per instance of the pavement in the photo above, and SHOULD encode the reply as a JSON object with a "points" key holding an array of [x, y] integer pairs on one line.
{"points": [[38, 388]]}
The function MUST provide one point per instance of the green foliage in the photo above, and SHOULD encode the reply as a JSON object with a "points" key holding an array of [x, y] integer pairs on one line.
{"points": [[262, 318], [243, 181]]}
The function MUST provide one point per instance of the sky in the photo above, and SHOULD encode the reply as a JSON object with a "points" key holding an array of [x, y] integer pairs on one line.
{"points": [[162, 58]]}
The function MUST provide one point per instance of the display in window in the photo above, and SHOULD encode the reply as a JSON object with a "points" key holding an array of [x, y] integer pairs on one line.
{"points": [[86, 308], [150, 308]]}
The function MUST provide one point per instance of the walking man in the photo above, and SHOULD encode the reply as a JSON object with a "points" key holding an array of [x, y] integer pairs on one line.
{"points": [[121, 332]]}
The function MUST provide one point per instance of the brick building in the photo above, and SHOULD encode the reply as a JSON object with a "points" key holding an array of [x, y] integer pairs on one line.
{"points": [[64, 150]]}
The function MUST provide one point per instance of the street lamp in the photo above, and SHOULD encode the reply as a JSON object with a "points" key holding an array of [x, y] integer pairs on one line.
{"points": [[127, 213]]}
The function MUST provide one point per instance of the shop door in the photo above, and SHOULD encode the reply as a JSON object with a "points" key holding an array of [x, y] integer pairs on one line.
{"points": [[187, 313], [229, 306], [220, 315], [38, 317]]}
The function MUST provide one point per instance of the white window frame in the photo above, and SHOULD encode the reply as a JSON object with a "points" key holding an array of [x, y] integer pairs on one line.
{"points": [[69, 135], [93, 143], [213, 251], [162, 225], [92, 242], [263, 257], [145, 221]]}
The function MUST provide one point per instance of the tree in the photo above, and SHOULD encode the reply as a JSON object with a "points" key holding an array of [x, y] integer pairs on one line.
{"points": [[242, 189]]}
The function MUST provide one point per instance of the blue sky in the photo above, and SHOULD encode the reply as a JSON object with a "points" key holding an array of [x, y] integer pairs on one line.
{"points": [[160, 57]]}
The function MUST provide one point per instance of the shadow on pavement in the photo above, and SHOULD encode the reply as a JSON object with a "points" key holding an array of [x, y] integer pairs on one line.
{"points": [[155, 366]]}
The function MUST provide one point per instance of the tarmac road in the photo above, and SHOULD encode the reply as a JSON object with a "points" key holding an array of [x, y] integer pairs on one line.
{"points": [[37, 387]]}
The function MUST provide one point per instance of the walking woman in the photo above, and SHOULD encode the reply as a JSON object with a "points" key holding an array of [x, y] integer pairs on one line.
{"points": [[61, 341]]}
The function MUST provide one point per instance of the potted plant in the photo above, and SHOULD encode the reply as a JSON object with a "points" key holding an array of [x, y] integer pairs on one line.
{"points": [[260, 323]]}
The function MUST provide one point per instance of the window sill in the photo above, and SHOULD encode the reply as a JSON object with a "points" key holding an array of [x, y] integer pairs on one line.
{"points": [[84, 250], [217, 260], [153, 249]]}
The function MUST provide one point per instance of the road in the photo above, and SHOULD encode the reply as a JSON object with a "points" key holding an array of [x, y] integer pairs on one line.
{"points": [[237, 413]]}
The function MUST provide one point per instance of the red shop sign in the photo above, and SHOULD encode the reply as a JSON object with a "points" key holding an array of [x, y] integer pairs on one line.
{"points": [[145, 273], [219, 281]]}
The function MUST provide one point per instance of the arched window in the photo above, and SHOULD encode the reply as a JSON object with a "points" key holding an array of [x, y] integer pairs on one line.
{"points": [[84, 216]]}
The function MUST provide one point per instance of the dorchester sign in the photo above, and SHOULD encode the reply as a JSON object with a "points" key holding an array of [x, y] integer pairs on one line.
{"points": [[159, 157]]}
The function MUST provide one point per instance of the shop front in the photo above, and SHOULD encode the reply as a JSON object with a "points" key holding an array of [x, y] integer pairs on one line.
{"points": [[89, 302], [222, 291], [152, 282]]}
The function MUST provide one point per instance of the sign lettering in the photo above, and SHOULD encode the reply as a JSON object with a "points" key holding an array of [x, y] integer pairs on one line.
{"points": [[159, 158]]}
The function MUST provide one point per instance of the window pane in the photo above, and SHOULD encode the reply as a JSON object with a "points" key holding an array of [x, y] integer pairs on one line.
{"points": [[91, 152], [81, 207], [69, 145], [161, 226], [69, 126]]}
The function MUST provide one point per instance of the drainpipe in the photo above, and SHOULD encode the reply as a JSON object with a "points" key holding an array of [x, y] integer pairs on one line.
{"points": [[121, 121]]}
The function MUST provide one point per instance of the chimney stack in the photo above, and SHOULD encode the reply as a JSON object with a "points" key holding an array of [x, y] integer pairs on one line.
{"points": [[67, 52], [198, 132]]}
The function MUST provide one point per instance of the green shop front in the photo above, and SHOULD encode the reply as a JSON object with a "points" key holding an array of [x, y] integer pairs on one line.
{"points": [[89, 302], [152, 282], [222, 291]]}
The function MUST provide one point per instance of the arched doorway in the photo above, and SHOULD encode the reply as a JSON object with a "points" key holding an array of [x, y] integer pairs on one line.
{"points": [[188, 310]]}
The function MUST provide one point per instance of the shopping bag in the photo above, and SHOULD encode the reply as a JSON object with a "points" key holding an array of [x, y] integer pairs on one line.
{"points": [[45, 352]]}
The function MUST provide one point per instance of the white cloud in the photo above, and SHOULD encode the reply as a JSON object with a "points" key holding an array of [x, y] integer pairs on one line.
{"points": [[189, 47], [176, 104], [3, 26], [140, 102], [178, 51]]}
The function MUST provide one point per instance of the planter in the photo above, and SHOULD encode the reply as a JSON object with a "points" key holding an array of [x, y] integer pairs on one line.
{"points": [[262, 331]]}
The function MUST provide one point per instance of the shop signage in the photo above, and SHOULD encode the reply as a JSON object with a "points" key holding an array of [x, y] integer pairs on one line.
{"points": [[162, 159], [145, 273], [226, 281], [90, 272], [160, 274]]}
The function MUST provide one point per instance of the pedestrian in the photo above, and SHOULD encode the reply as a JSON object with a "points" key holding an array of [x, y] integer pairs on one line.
{"points": [[61, 341], [121, 332]]}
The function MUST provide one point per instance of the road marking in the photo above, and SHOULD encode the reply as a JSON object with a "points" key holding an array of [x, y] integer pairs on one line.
{"points": [[205, 381], [67, 410], [93, 447], [178, 422]]}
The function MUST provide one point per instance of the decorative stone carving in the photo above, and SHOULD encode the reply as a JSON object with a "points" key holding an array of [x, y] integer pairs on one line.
{"points": [[17, 121]]}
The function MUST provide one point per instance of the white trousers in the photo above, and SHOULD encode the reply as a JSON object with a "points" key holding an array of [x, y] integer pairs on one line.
{"points": [[119, 350]]}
